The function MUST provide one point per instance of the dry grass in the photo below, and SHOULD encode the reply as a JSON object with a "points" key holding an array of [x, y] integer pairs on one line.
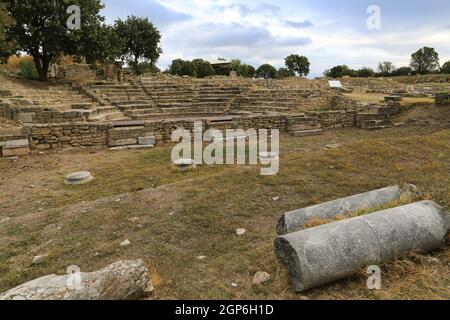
{"points": [[173, 217], [14, 62]]}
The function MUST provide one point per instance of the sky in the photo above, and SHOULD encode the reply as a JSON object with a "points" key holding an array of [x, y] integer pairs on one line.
{"points": [[358, 33]]}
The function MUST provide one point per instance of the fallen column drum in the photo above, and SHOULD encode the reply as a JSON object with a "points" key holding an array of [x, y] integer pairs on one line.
{"points": [[331, 252]]}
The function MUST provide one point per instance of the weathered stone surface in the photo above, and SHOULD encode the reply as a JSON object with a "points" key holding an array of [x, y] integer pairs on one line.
{"points": [[79, 178], [122, 142], [123, 280], [147, 141], [295, 220], [334, 251], [15, 151], [260, 278]]}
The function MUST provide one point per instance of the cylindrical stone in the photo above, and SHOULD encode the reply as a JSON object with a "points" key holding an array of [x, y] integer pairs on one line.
{"points": [[79, 178], [295, 220], [331, 252]]}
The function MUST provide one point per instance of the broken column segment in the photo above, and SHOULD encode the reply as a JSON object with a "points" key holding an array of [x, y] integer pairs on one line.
{"points": [[123, 280], [331, 252], [295, 220]]}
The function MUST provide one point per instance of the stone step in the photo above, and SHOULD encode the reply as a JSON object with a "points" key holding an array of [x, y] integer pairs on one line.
{"points": [[304, 133], [176, 115]]}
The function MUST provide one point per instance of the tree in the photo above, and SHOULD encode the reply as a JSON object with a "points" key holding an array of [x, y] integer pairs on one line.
{"points": [[242, 69], [424, 61], [338, 72], [6, 47], [41, 30], [181, 67], [285, 73], [298, 64], [247, 71], [146, 67], [445, 69], [365, 73], [386, 68], [266, 71], [403, 71], [202, 68], [141, 40]]}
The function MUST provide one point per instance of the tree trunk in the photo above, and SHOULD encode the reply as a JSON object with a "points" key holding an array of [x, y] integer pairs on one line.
{"points": [[42, 65]]}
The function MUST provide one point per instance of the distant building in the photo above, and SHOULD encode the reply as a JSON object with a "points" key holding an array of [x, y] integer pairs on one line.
{"points": [[222, 67]]}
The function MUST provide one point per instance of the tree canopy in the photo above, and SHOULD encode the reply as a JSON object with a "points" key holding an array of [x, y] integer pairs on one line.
{"points": [[243, 69], [202, 68], [181, 67], [140, 40], [425, 60], [6, 47], [42, 31], [386, 68], [266, 71], [446, 68], [285, 73], [298, 64]]}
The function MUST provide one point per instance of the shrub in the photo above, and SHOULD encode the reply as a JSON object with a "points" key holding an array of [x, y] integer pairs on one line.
{"points": [[28, 70]]}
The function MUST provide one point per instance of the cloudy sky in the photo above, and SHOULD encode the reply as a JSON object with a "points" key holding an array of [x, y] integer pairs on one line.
{"points": [[329, 32]]}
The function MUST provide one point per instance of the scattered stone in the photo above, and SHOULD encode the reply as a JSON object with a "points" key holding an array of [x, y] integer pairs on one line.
{"points": [[234, 285], [134, 220], [77, 178], [32, 186], [241, 232], [201, 257], [171, 214], [126, 243], [275, 199], [39, 260], [433, 260], [260, 278], [123, 280], [333, 146], [184, 164]]}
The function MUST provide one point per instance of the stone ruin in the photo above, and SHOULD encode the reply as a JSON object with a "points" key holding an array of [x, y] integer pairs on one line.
{"points": [[145, 111], [339, 248]]}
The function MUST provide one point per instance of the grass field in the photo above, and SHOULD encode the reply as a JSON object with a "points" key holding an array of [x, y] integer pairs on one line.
{"points": [[173, 217]]}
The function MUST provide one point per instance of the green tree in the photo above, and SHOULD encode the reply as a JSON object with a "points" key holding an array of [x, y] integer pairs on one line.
{"points": [[339, 72], [298, 64], [403, 71], [445, 69], [365, 73], [141, 40], [146, 67], [6, 47], [242, 69], [41, 30], [424, 61], [266, 71], [181, 67], [202, 68], [386, 68], [285, 73], [247, 71]]}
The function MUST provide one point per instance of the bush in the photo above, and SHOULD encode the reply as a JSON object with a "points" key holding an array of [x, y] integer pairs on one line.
{"points": [[202, 68], [146, 67], [181, 67], [266, 71], [28, 70]]}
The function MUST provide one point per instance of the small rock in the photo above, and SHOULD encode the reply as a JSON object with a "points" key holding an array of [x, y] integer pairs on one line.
{"points": [[171, 213], [32, 186], [41, 153], [241, 232], [303, 298], [134, 220], [234, 285], [433, 260], [260, 278], [201, 257], [39, 260], [275, 199], [126, 243], [333, 146]]}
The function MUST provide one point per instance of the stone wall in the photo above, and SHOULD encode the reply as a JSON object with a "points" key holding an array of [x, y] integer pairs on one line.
{"points": [[53, 136], [39, 115], [84, 134]]}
